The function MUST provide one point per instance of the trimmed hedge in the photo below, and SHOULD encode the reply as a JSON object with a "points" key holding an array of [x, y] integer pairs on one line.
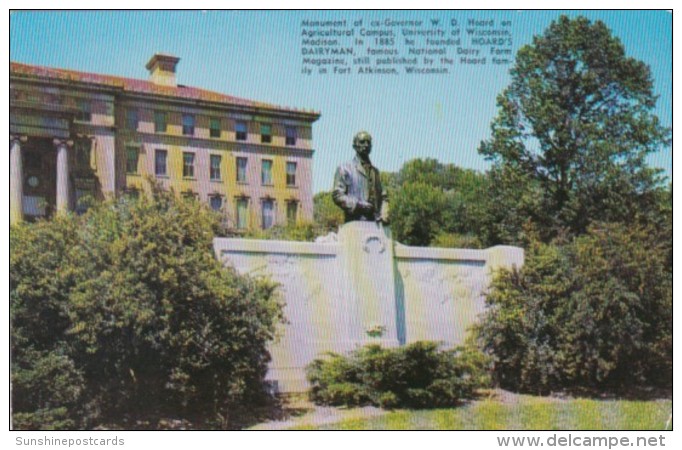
{"points": [[419, 375]]}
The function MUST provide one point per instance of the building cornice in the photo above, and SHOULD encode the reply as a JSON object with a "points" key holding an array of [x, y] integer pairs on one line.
{"points": [[221, 106], [122, 94], [50, 82]]}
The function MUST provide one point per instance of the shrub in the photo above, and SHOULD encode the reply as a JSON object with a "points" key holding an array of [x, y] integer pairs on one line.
{"points": [[132, 316], [594, 313], [328, 217], [419, 375], [290, 232], [455, 240], [49, 380], [417, 213]]}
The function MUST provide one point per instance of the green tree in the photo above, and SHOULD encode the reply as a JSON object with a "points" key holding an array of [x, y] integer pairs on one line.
{"points": [[571, 136], [302, 231], [129, 303], [417, 213], [456, 212], [595, 313], [328, 217]]}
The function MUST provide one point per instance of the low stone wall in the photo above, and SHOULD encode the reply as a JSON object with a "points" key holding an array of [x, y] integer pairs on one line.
{"points": [[365, 288]]}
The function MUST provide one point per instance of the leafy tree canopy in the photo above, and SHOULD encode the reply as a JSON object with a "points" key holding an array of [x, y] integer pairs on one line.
{"points": [[572, 131], [592, 314], [430, 199]]}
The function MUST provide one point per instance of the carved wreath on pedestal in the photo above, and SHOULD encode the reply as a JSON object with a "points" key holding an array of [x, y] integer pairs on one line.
{"points": [[374, 244]]}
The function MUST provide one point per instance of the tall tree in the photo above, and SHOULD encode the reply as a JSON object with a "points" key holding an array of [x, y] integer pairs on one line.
{"points": [[574, 126], [328, 216], [430, 199]]}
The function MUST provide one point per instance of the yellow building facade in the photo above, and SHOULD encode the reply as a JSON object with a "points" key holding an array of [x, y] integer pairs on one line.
{"points": [[75, 134]]}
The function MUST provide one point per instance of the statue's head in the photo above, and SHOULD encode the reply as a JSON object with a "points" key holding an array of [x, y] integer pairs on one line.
{"points": [[362, 143]]}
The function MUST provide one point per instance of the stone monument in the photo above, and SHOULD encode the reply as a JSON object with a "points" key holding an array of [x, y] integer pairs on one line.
{"points": [[363, 287], [366, 250]]}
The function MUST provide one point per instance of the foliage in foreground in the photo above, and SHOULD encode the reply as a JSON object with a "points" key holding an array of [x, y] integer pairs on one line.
{"points": [[523, 413], [592, 314], [418, 375], [125, 313]]}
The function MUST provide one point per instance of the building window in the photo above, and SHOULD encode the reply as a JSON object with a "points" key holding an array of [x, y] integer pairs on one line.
{"points": [[268, 213], [160, 159], [241, 169], [266, 172], [292, 212], [84, 113], [266, 133], [216, 202], [240, 127], [187, 125], [188, 165], [83, 201], [242, 212], [215, 167], [291, 173], [214, 128], [189, 195], [33, 161], [82, 147], [291, 136], [132, 120], [160, 122], [132, 193], [132, 156]]}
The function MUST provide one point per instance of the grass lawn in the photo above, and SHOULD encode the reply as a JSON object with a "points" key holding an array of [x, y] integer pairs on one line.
{"points": [[498, 411]]}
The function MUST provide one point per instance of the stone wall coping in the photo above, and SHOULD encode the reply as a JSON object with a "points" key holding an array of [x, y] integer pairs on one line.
{"points": [[449, 254], [235, 245]]}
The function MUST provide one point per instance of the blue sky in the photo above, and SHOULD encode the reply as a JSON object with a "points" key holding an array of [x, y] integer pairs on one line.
{"points": [[257, 55]]}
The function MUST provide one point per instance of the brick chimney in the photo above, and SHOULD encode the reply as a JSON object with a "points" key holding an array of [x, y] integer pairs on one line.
{"points": [[162, 69]]}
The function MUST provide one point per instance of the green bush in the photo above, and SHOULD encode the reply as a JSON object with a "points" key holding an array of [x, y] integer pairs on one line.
{"points": [[327, 216], [595, 313], [419, 375], [125, 313], [455, 240], [290, 232], [49, 380]]}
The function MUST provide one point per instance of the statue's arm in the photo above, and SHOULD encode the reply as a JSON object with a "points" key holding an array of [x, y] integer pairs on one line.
{"points": [[383, 214], [340, 192]]}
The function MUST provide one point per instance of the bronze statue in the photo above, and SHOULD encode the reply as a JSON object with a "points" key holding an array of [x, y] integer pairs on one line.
{"points": [[357, 185]]}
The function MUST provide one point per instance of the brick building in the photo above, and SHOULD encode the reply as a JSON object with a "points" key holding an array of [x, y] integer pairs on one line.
{"points": [[75, 134]]}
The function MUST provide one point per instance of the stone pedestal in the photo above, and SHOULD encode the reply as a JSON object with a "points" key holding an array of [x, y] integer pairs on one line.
{"points": [[363, 288], [367, 280]]}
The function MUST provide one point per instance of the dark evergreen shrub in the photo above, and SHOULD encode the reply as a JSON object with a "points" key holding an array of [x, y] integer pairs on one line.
{"points": [[595, 313], [419, 375], [125, 313]]}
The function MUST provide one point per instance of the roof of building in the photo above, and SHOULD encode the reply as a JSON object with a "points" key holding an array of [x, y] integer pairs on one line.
{"points": [[143, 86]]}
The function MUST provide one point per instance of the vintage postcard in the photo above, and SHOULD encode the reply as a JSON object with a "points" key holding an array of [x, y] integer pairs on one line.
{"points": [[342, 220]]}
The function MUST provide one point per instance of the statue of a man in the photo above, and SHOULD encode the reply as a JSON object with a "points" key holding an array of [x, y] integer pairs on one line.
{"points": [[357, 185]]}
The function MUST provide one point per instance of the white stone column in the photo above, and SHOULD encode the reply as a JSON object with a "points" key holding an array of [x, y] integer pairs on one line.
{"points": [[16, 183], [63, 188]]}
